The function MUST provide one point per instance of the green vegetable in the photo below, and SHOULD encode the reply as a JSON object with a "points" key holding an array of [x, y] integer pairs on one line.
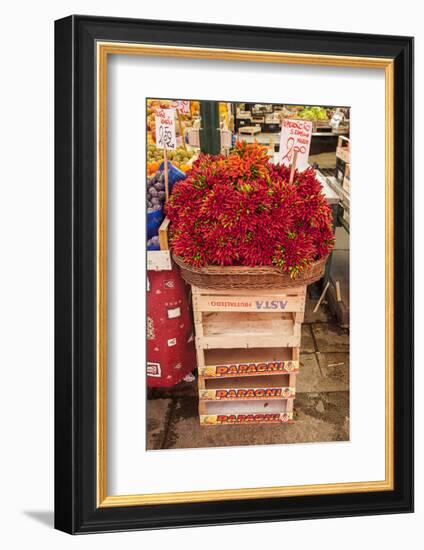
{"points": [[313, 113]]}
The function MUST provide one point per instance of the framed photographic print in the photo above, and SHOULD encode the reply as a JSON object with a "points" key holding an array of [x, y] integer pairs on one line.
{"points": [[234, 320]]}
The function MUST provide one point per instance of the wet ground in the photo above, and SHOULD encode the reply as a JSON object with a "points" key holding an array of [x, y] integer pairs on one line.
{"points": [[321, 407]]}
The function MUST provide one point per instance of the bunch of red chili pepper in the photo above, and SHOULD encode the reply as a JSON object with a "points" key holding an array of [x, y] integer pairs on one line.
{"points": [[242, 210]]}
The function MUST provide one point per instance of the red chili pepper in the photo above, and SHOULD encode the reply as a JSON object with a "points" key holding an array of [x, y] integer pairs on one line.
{"points": [[242, 210]]}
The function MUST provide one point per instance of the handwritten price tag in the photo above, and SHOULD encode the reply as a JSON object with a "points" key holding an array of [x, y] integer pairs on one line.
{"points": [[182, 106], [165, 129], [226, 139], [295, 137]]}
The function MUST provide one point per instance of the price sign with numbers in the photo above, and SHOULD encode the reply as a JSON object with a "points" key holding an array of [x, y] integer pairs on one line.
{"points": [[182, 106], [165, 129], [295, 138]]}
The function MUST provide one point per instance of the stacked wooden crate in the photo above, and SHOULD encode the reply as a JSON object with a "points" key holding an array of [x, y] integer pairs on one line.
{"points": [[247, 345], [342, 158]]}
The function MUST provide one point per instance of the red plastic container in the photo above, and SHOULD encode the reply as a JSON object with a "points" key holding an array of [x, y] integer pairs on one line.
{"points": [[170, 341]]}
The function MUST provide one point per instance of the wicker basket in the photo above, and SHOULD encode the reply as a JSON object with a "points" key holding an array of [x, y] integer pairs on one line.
{"points": [[242, 277]]}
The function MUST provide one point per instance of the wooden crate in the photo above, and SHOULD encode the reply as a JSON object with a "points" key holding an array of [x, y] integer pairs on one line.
{"points": [[343, 149], [160, 260], [247, 345], [346, 179], [340, 170], [321, 126], [248, 318], [252, 130]]}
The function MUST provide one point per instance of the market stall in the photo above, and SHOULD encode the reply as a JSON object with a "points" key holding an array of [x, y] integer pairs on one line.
{"points": [[242, 334]]}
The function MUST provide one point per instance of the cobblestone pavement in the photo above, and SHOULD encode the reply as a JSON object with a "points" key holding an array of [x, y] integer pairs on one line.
{"points": [[321, 407]]}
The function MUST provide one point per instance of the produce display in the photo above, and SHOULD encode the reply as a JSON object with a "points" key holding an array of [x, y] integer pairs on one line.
{"points": [[242, 210], [156, 195], [313, 113], [155, 192], [155, 201], [178, 164], [289, 111], [179, 158]]}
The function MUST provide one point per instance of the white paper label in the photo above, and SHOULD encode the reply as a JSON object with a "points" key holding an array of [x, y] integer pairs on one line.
{"points": [[174, 313], [226, 138], [159, 260], [295, 138], [165, 129]]}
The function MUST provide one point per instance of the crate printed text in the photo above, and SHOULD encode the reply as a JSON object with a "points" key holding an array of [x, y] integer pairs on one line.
{"points": [[252, 393], [242, 418], [253, 368], [260, 304]]}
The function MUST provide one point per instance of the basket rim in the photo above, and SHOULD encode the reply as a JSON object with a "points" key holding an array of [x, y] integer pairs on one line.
{"points": [[236, 269]]}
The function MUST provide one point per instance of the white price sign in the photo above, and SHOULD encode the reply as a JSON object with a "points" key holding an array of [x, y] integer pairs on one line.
{"points": [[295, 138], [165, 129], [182, 106], [226, 139]]}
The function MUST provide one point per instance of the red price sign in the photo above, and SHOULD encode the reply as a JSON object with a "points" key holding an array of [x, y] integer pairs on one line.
{"points": [[165, 129], [295, 138], [182, 106]]}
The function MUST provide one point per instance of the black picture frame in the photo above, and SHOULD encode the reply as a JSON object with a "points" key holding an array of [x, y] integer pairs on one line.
{"points": [[76, 510]]}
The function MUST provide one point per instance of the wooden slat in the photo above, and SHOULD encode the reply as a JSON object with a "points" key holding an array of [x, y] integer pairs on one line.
{"points": [[198, 323], [250, 382], [247, 394], [247, 412], [299, 317], [254, 303], [219, 420], [292, 291], [343, 149], [200, 354], [244, 330], [248, 341], [163, 234], [251, 407], [235, 356], [240, 324], [281, 386], [252, 369], [226, 363]]}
